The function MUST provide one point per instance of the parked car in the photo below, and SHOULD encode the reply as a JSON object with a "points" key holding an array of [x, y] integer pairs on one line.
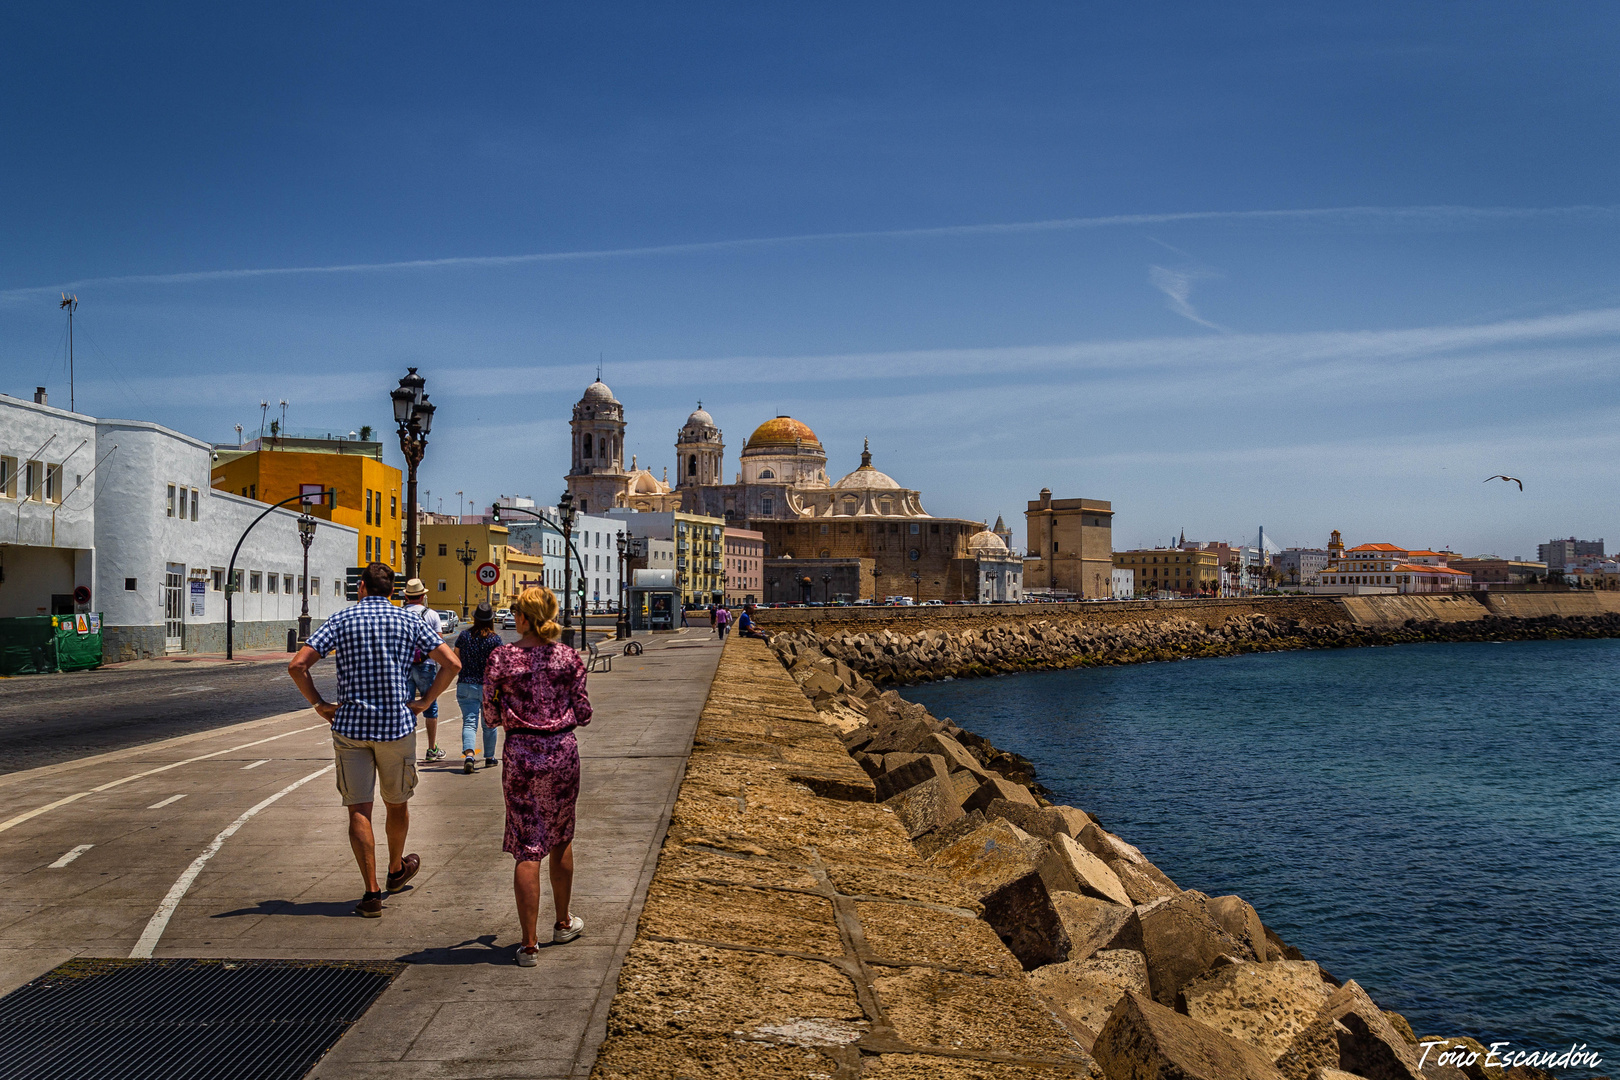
{"points": [[933, 603]]}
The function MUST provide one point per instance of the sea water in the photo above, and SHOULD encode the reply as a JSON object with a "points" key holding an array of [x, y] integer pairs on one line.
{"points": [[1439, 822]]}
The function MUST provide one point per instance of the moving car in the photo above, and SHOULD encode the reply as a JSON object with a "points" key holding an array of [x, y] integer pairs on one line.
{"points": [[507, 620], [448, 623]]}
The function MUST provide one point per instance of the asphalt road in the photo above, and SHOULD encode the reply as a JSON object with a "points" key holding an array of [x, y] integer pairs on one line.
{"points": [[45, 719]]}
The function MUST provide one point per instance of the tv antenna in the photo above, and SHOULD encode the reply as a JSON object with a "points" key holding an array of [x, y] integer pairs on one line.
{"points": [[71, 303]]}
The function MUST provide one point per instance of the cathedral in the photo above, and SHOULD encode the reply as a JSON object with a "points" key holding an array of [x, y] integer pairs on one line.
{"points": [[782, 490]]}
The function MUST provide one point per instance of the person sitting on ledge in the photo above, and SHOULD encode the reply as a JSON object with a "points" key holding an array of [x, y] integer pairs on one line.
{"points": [[745, 624]]}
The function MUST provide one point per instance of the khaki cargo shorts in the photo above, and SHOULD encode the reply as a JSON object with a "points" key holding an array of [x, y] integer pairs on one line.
{"points": [[362, 765]]}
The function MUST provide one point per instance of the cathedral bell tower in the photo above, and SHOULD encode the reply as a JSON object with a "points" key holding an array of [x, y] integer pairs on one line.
{"points": [[698, 451], [596, 477]]}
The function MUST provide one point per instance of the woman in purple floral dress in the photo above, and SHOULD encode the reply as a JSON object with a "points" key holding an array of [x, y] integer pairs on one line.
{"points": [[535, 689]]}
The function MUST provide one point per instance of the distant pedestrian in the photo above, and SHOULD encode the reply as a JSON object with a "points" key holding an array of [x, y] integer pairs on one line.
{"points": [[374, 718], [722, 621], [473, 647], [745, 623], [423, 670], [535, 689]]}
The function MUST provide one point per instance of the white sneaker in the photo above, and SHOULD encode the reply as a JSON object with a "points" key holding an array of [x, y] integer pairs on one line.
{"points": [[560, 934], [528, 957]]}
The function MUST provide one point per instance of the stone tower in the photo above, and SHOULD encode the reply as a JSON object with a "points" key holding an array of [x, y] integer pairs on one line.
{"points": [[698, 451], [596, 478]]}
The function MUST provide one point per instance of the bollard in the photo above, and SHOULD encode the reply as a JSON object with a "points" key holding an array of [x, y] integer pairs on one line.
{"points": [[292, 641]]}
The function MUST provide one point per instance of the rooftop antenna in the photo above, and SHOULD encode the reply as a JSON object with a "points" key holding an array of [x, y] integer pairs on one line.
{"points": [[71, 303], [239, 436], [598, 367], [283, 418], [264, 410]]}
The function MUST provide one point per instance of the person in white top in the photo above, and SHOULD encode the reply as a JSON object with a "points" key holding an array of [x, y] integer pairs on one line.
{"points": [[424, 670]]}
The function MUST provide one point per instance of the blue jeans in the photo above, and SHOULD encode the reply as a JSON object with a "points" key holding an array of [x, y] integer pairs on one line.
{"points": [[470, 696], [422, 676]]}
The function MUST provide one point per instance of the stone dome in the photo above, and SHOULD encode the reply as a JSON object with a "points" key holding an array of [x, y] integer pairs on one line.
{"points": [[782, 431], [700, 418], [867, 478], [987, 543], [598, 392]]}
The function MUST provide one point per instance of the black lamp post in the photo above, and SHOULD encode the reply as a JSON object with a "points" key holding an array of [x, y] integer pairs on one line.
{"points": [[584, 629], [413, 414], [826, 588], [621, 627], [306, 536], [466, 553], [566, 511]]}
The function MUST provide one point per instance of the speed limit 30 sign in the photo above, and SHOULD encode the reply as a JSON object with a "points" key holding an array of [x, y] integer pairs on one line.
{"points": [[488, 574]]}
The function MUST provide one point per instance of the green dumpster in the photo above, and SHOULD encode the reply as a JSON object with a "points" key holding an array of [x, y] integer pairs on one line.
{"points": [[28, 645], [78, 642]]}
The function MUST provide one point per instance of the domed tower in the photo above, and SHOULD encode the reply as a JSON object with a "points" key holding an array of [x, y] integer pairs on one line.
{"points": [[698, 451], [596, 478], [786, 452]]}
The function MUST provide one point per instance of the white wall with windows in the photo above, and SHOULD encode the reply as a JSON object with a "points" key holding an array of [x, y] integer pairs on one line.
{"points": [[47, 526]]}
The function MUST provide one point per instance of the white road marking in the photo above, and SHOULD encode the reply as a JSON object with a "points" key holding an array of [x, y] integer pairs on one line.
{"points": [[190, 690], [165, 802], [177, 892], [256, 764], [38, 810], [70, 856]]}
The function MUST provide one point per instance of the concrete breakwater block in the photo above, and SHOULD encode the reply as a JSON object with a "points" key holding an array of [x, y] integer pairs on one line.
{"points": [[991, 863], [1089, 989], [1182, 941], [1265, 1005], [1143, 1040]]}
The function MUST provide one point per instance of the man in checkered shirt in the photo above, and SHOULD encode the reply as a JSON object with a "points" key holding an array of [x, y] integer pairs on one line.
{"points": [[374, 719]]}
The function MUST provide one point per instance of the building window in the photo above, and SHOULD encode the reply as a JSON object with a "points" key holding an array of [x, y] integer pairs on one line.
{"points": [[315, 586], [337, 587], [393, 551], [444, 549], [368, 549], [272, 584], [916, 528], [218, 576], [195, 498], [586, 452], [53, 483], [129, 584], [441, 585], [255, 582], [171, 500], [393, 505], [368, 506], [286, 584], [8, 477]]}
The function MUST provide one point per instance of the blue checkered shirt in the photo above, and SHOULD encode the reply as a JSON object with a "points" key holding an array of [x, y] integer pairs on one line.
{"points": [[375, 642]]}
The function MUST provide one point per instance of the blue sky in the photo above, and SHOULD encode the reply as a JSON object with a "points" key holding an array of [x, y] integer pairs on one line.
{"points": [[1289, 265]]}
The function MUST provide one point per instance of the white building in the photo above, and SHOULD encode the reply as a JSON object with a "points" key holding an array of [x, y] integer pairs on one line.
{"points": [[1001, 573], [595, 557], [1124, 583], [124, 510]]}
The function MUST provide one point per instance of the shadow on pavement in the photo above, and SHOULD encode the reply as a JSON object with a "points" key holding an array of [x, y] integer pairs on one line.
{"points": [[487, 952], [332, 909]]}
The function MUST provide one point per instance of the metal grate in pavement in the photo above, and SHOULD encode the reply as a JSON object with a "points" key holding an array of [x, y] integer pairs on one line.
{"points": [[168, 1019]]}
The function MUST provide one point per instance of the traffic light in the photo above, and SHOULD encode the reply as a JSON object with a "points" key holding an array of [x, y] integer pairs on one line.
{"points": [[495, 513]]}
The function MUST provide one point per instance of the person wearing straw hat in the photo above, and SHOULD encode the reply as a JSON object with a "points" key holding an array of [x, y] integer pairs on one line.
{"points": [[423, 669]]}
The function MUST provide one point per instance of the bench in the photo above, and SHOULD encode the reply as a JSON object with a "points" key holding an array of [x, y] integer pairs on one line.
{"points": [[599, 660]]}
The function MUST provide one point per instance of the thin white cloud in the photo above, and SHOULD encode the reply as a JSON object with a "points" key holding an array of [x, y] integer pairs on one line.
{"points": [[1428, 216], [1177, 288]]}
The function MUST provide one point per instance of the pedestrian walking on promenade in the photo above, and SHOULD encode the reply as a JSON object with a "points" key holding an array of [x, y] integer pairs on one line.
{"points": [[374, 718], [424, 670], [473, 647], [722, 621], [535, 689]]}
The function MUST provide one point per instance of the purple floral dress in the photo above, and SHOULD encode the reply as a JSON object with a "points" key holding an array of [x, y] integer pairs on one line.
{"points": [[538, 695]]}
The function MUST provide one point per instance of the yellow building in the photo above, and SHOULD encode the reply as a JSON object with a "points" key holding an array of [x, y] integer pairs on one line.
{"points": [[369, 490], [1172, 570], [452, 583]]}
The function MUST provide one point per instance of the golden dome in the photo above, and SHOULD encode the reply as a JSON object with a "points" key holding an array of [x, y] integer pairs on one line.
{"points": [[782, 431]]}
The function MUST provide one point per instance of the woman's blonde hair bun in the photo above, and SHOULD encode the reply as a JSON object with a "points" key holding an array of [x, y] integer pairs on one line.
{"points": [[538, 606]]}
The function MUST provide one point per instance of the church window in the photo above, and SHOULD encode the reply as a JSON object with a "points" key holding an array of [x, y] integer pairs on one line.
{"points": [[916, 528], [894, 528], [586, 452], [766, 474], [825, 554], [767, 506], [824, 530], [691, 465], [933, 528]]}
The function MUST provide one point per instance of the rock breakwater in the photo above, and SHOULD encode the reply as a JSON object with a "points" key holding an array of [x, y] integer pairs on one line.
{"points": [[897, 655], [1151, 979]]}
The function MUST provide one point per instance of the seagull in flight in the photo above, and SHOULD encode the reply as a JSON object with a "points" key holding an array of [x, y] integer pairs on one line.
{"points": [[1500, 476]]}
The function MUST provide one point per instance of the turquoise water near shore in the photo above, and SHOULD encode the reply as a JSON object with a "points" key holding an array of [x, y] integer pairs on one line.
{"points": [[1439, 822]]}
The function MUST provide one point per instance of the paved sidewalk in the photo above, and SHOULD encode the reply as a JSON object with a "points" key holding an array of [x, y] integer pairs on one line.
{"points": [[284, 884]]}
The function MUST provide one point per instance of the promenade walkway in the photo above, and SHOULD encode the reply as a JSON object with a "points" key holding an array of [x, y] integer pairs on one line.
{"points": [[94, 853]]}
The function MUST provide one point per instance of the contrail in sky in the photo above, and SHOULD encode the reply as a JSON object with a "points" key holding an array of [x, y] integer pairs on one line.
{"points": [[1453, 215]]}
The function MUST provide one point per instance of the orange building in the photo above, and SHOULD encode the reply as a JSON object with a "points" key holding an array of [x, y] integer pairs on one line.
{"points": [[369, 491]]}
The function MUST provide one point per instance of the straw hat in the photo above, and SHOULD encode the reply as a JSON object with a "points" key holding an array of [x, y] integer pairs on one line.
{"points": [[414, 587]]}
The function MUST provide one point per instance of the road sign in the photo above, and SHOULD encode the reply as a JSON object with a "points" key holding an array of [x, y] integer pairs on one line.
{"points": [[488, 574]]}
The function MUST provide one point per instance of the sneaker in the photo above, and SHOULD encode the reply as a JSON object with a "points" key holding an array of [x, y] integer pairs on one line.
{"points": [[370, 905], [528, 955], [435, 754], [408, 866], [469, 763], [561, 934], [490, 763]]}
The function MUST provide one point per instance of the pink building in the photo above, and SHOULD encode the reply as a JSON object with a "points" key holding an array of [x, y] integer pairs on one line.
{"points": [[744, 566]]}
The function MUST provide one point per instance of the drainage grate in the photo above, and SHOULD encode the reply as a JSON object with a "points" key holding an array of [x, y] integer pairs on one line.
{"points": [[182, 1019]]}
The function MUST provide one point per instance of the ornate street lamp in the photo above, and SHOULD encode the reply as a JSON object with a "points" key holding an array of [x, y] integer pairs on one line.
{"points": [[566, 511], [466, 553], [306, 536], [413, 415], [621, 627], [826, 588]]}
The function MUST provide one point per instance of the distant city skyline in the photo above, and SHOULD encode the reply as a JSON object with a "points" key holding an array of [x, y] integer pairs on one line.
{"points": [[1304, 269]]}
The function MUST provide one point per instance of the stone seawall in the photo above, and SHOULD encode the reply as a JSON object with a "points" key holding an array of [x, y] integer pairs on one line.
{"points": [[906, 645]]}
